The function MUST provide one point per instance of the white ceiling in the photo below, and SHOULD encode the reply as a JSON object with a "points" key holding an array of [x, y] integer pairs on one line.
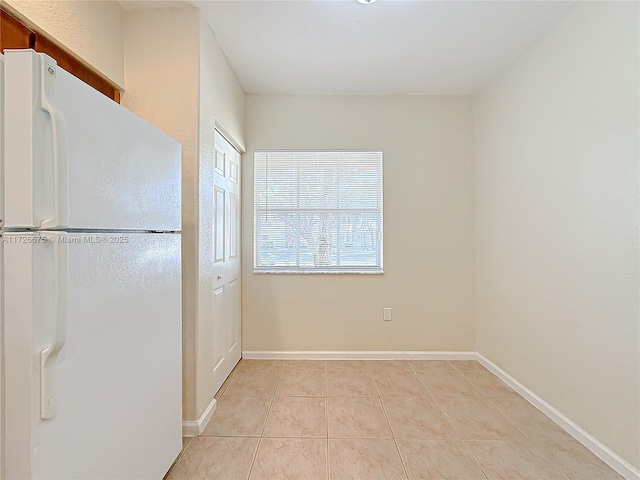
{"points": [[391, 47], [151, 4]]}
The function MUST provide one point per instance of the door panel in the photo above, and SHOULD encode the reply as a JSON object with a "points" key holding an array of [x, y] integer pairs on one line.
{"points": [[234, 215], [232, 333], [218, 329], [234, 168], [219, 165], [226, 269], [219, 225]]}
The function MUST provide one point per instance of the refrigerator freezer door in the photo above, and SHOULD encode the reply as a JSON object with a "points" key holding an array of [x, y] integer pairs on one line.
{"points": [[75, 159], [108, 403]]}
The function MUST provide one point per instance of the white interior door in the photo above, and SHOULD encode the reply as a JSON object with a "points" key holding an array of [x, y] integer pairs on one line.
{"points": [[226, 260]]}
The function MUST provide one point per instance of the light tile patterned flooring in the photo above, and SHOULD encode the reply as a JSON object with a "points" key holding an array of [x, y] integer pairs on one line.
{"points": [[369, 420]]}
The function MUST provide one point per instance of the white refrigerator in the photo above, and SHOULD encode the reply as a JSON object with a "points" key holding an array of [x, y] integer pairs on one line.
{"points": [[91, 281]]}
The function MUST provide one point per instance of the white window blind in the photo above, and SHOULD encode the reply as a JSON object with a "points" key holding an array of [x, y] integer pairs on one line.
{"points": [[317, 212]]}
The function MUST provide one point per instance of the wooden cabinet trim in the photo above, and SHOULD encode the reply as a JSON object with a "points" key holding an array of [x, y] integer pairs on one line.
{"points": [[15, 34]]}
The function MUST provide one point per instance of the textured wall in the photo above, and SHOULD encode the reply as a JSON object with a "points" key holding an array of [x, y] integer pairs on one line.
{"points": [[428, 228], [93, 30], [557, 221], [219, 84]]}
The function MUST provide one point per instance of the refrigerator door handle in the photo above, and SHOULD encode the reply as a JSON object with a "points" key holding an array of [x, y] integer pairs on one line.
{"points": [[49, 355], [60, 149]]}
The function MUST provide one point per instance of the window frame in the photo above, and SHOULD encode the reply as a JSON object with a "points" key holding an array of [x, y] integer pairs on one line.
{"points": [[377, 269]]}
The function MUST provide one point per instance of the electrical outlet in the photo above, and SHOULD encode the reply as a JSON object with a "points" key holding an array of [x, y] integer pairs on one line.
{"points": [[387, 314]]}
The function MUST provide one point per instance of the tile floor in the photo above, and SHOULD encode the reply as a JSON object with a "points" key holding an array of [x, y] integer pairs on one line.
{"points": [[369, 420]]}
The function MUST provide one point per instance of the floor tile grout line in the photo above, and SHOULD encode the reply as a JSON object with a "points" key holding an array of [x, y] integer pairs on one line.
{"points": [[543, 457], [326, 420], [482, 390], [473, 457], [426, 386], [264, 425], [529, 440], [395, 441], [253, 458], [228, 380], [453, 429], [533, 445], [431, 395], [273, 398], [326, 417], [437, 405]]}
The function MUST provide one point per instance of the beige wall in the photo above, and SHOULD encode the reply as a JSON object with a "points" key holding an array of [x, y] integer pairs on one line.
{"points": [[428, 228], [178, 79], [223, 98], [93, 30], [557, 221]]}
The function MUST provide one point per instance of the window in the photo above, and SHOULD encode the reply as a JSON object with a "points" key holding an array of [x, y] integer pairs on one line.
{"points": [[317, 212]]}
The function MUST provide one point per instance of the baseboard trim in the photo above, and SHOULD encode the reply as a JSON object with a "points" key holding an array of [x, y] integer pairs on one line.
{"points": [[193, 428], [356, 355], [612, 459]]}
